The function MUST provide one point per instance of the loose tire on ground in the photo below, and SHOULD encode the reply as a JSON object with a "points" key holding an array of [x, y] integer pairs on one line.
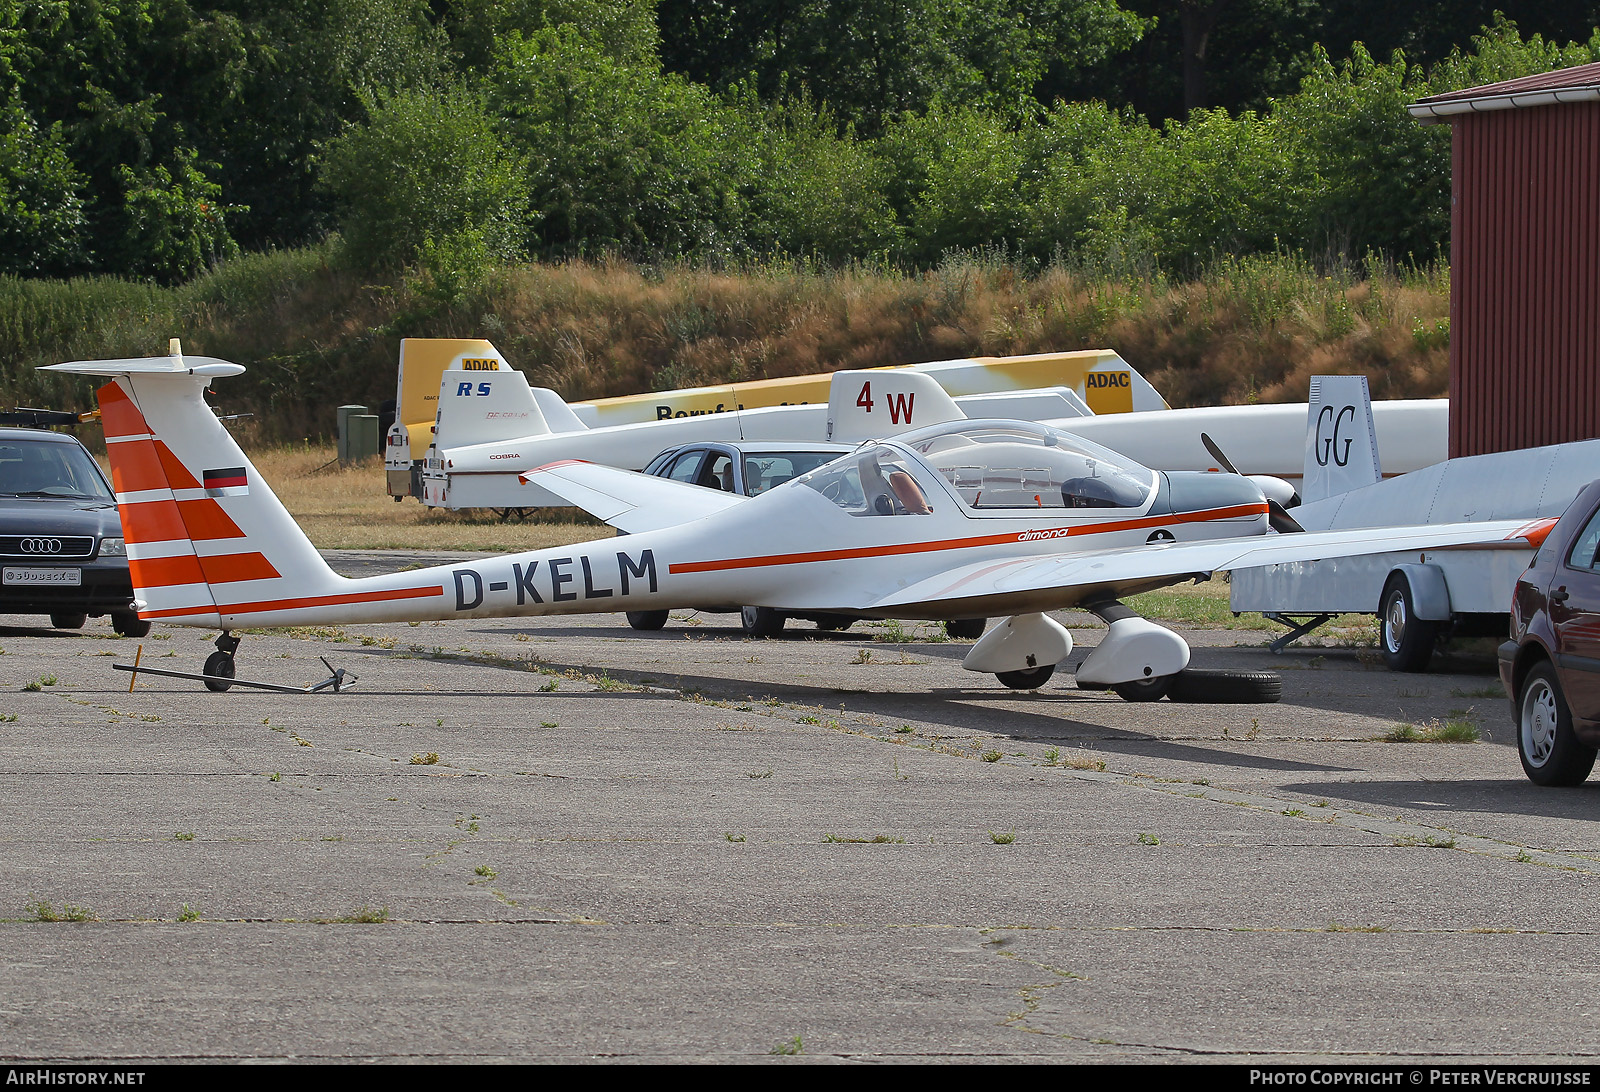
{"points": [[966, 629], [125, 623], [1201, 687], [1030, 679], [220, 666], [761, 621], [647, 620], [1551, 752], [1406, 640], [68, 621]]}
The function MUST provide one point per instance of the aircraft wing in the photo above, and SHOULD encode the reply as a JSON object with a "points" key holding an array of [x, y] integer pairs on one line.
{"points": [[1053, 581], [626, 499]]}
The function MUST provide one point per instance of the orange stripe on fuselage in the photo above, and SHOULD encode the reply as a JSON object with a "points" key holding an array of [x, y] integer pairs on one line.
{"points": [[118, 415], [271, 605], [200, 520], [1050, 535], [166, 572]]}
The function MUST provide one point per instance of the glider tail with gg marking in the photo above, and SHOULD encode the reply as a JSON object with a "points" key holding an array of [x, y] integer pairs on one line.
{"points": [[209, 544]]}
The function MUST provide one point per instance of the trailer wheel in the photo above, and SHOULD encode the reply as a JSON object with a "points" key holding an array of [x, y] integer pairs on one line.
{"points": [[1226, 687], [1406, 640]]}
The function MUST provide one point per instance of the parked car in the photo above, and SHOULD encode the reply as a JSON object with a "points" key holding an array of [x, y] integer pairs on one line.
{"points": [[752, 469], [1551, 664], [61, 547]]}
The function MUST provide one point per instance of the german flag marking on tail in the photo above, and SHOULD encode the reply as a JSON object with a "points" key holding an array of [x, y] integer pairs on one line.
{"points": [[227, 482]]}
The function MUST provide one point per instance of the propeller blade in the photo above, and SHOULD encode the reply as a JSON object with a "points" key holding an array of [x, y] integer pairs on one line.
{"points": [[1216, 453], [1280, 520]]}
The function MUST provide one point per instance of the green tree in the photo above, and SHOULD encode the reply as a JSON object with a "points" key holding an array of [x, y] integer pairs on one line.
{"points": [[428, 172], [42, 224]]}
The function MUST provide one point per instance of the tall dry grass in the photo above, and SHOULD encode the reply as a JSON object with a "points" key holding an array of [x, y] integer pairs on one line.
{"points": [[316, 335]]}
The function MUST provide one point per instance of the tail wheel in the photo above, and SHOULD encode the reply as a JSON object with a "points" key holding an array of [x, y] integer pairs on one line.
{"points": [[1226, 687], [761, 621], [647, 620], [834, 623], [219, 666], [1406, 640], [1551, 753], [1030, 679], [966, 629]]}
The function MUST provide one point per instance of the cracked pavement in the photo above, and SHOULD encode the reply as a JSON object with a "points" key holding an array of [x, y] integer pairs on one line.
{"points": [[558, 839]]}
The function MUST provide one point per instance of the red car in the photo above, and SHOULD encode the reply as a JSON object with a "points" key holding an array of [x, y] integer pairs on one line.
{"points": [[1551, 664]]}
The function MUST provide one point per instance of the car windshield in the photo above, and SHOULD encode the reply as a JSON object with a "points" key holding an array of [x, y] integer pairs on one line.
{"points": [[999, 466], [33, 468], [764, 472]]}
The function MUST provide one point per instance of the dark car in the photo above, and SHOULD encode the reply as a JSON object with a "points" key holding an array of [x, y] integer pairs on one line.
{"points": [[61, 547], [1551, 664]]}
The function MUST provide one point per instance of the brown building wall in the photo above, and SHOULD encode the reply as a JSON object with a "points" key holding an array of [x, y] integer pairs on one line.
{"points": [[1525, 267]]}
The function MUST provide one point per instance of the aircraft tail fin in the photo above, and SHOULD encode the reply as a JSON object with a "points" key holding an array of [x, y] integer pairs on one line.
{"points": [[483, 407], [864, 405], [1341, 440], [205, 534]]}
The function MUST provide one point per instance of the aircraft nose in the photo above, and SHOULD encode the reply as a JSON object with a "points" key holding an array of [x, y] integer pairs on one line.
{"points": [[1197, 491]]}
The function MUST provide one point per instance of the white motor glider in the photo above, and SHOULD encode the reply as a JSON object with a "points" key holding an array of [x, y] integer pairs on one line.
{"points": [[962, 519]]}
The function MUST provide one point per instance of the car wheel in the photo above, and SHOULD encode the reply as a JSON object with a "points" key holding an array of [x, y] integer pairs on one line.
{"points": [[834, 623], [966, 629], [128, 624], [68, 621], [1406, 640], [647, 620], [1226, 687], [761, 621], [1551, 752], [219, 665], [1031, 679]]}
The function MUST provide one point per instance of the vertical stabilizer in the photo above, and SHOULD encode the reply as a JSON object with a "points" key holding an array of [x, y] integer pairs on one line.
{"points": [[206, 536], [422, 361], [1341, 440], [864, 405], [479, 407]]}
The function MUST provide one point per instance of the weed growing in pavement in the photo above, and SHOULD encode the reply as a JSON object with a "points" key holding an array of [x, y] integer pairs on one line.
{"points": [[881, 839], [734, 837], [991, 756], [183, 836], [1149, 840], [188, 913], [366, 915], [789, 1047], [1002, 838], [429, 759]]}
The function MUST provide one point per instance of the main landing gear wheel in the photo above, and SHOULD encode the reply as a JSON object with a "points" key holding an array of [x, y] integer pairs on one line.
{"points": [[219, 669], [1153, 689], [1551, 753], [125, 623], [966, 629], [834, 623], [761, 621], [68, 621], [1029, 679], [647, 620], [1406, 640]]}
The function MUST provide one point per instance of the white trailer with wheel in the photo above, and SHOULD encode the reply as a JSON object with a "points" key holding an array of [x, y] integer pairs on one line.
{"points": [[1421, 597]]}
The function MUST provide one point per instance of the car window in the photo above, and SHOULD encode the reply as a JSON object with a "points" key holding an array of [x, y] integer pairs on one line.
{"points": [[48, 469], [764, 472], [1586, 544], [687, 467], [718, 472]]}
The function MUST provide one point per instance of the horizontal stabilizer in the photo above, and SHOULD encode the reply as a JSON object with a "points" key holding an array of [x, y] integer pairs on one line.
{"points": [[626, 499]]}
